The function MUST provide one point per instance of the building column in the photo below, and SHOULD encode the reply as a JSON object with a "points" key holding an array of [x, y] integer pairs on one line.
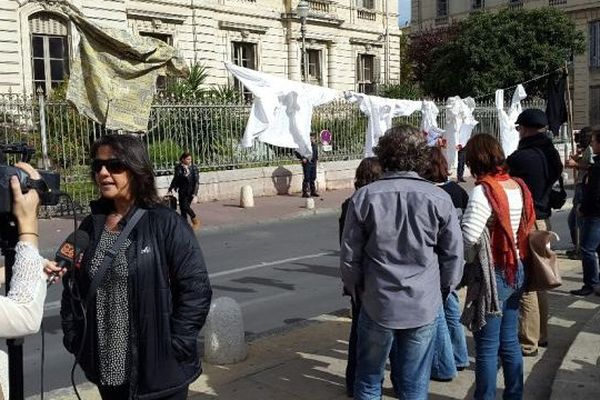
{"points": [[294, 54], [332, 65]]}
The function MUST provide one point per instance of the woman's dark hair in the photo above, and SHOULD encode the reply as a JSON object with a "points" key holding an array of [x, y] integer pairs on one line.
{"points": [[131, 150], [403, 148], [437, 170], [369, 170], [184, 155], [483, 154]]}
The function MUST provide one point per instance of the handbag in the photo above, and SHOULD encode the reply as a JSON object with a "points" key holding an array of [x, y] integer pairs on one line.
{"points": [[542, 266], [557, 196]]}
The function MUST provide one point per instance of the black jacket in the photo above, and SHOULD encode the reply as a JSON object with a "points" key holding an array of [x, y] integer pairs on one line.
{"points": [[186, 185], [169, 299], [527, 163], [590, 204]]}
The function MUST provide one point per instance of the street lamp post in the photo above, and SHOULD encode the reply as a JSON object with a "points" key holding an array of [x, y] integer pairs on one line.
{"points": [[302, 11]]}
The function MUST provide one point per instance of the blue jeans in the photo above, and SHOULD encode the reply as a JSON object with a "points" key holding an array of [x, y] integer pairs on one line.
{"points": [[499, 337], [573, 220], [450, 341], [412, 355], [590, 243]]}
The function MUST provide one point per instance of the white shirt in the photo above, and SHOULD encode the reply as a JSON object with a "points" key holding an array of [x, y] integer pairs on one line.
{"points": [[509, 137], [21, 310], [282, 110], [380, 112], [479, 211]]}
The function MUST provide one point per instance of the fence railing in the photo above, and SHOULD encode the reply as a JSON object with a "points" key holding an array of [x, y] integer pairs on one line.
{"points": [[211, 132]]}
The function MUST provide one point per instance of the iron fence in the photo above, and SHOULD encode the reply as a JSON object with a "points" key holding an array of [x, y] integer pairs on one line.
{"points": [[211, 132]]}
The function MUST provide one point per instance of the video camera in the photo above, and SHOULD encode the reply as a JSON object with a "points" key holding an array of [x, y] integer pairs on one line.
{"points": [[48, 187]]}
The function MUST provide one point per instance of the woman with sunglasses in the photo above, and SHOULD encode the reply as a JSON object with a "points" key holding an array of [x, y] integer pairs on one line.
{"points": [[137, 336]]}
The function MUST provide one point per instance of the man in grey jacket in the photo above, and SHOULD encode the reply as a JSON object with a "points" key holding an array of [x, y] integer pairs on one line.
{"points": [[401, 253]]}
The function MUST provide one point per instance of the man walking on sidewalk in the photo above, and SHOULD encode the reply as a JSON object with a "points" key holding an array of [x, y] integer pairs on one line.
{"points": [[401, 254], [537, 162], [186, 181]]}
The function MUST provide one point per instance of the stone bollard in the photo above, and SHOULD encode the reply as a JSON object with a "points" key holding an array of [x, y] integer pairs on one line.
{"points": [[224, 338], [310, 203], [246, 197]]}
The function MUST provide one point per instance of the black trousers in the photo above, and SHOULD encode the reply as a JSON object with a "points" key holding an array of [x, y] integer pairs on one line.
{"points": [[460, 170], [309, 172], [122, 393], [185, 201]]}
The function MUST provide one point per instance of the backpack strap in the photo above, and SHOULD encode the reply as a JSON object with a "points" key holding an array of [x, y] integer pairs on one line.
{"points": [[111, 253]]}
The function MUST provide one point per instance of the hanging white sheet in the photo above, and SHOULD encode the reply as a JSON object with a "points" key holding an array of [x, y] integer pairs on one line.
{"points": [[380, 112], [509, 137], [459, 126], [429, 125], [282, 110]]}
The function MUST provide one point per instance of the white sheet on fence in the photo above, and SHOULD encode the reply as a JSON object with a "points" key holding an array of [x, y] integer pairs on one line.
{"points": [[509, 137], [380, 112], [459, 126], [429, 125], [282, 110]]}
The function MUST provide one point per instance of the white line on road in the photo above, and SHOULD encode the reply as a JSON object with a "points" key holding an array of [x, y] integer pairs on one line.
{"points": [[55, 305], [268, 264]]}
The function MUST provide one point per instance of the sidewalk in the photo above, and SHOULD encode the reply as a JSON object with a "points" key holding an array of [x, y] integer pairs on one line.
{"points": [[308, 360]]}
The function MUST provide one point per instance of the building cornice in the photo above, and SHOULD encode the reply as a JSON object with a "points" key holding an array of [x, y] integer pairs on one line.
{"points": [[149, 14], [366, 42], [237, 26]]}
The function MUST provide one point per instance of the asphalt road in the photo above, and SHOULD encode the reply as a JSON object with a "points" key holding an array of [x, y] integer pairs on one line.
{"points": [[280, 273]]}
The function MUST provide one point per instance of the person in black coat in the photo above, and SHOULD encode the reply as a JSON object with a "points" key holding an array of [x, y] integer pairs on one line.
{"points": [[186, 181], [590, 227], [137, 338], [309, 170], [538, 163]]}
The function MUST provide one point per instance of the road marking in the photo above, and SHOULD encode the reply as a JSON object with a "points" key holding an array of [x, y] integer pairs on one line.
{"points": [[55, 305], [268, 264]]}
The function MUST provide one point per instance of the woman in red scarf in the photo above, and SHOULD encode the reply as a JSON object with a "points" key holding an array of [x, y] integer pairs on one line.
{"points": [[504, 206]]}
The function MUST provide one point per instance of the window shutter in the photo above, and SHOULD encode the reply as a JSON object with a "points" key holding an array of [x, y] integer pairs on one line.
{"points": [[359, 70], [45, 23], [376, 69]]}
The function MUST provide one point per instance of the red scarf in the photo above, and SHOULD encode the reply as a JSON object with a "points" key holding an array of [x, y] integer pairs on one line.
{"points": [[503, 245]]}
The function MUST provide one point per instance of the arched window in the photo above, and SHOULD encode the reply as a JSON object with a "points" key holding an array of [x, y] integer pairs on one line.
{"points": [[49, 50]]}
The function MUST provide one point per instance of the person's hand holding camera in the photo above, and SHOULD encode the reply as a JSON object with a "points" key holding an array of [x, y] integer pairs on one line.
{"points": [[25, 206]]}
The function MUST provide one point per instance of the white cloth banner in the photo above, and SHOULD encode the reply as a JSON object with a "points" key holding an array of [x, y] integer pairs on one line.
{"points": [[509, 137], [380, 112], [282, 110], [459, 126], [429, 125]]}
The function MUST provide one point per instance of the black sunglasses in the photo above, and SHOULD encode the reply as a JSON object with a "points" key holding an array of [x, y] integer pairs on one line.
{"points": [[113, 165]]}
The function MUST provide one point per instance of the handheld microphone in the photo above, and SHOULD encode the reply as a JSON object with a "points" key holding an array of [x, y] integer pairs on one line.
{"points": [[70, 250]]}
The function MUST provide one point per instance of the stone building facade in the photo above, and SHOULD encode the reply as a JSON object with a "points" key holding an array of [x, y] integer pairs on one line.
{"points": [[585, 77], [350, 44]]}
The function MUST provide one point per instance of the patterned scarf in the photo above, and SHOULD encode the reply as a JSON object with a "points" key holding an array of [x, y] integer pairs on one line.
{"points": [[504, 249]]}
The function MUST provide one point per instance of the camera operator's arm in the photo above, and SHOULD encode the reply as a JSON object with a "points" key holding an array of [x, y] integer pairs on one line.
{"points": [[21, 310]]}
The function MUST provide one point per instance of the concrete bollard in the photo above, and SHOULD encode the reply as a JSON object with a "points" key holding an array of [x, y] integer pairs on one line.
{"points": [[246, 197], [310, 203], [224, 338]]}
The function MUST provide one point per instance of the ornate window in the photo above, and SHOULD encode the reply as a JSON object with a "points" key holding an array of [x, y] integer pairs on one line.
{"points": [[367, 69], [315, 76], [244, 55], [49, 50], [595, 44]]}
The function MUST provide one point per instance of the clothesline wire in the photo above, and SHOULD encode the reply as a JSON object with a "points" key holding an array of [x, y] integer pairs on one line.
{"points": [[537, 78]]}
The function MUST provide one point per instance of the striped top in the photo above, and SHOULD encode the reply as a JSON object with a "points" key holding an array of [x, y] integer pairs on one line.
{"points": [[479, 211]]}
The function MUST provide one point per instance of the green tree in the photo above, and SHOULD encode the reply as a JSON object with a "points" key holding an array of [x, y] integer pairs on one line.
{"points": [[404, 90], [494, 50]]}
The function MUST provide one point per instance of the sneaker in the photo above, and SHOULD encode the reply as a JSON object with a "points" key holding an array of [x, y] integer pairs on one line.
{"points": [[597, 290], [543, 344], [530, 354], [584, 291], [461, 180], [305, 195], [314, 194], [573, 255]]}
